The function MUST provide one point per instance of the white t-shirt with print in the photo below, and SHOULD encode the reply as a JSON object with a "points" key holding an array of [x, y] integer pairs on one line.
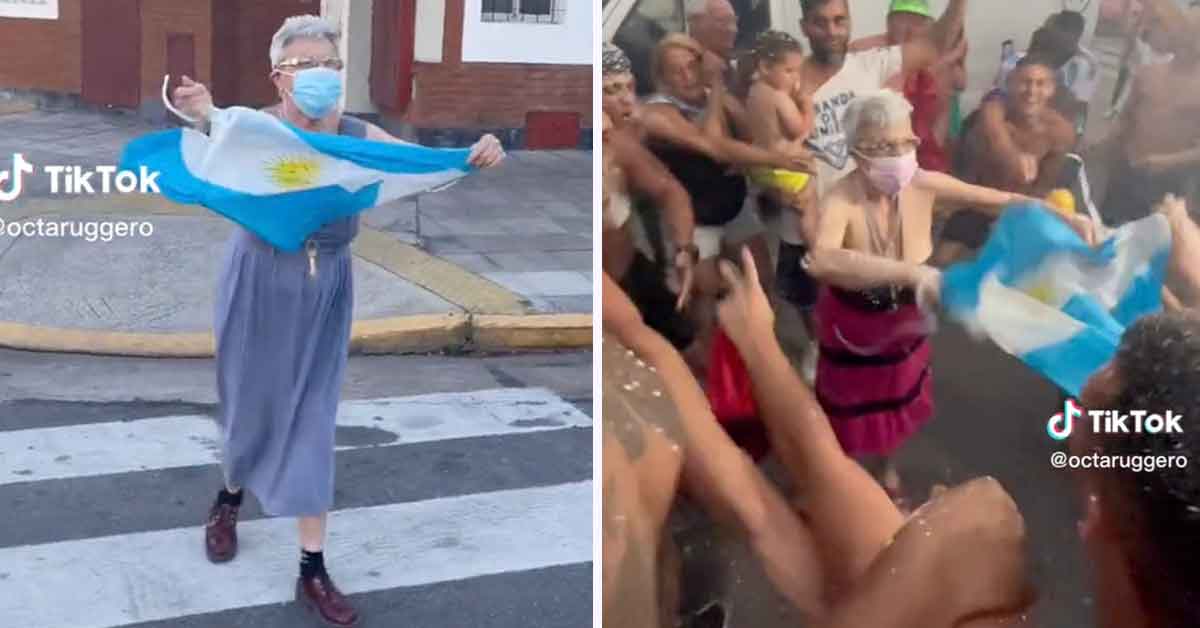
{"points": [[863, 72]]}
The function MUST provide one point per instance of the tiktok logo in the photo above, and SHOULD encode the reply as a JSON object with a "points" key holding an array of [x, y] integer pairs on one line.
{"points": [[20, 169], [1060, 425]]}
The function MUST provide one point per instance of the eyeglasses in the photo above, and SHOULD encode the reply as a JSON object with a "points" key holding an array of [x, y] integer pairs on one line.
{"points": [[889, 149], [308, 63]]}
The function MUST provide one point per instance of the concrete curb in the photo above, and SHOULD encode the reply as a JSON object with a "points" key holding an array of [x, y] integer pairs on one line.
{"points": [[531, 331], [9, 107], [397, 335]]}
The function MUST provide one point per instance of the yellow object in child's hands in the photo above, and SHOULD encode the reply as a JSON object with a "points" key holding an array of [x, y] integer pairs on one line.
{"points": [[1062, 201], [785, 180]]}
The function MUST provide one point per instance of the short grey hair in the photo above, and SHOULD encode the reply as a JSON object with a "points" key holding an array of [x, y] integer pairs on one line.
{"points": [[692, 8], [301, 27], [875, 110]]}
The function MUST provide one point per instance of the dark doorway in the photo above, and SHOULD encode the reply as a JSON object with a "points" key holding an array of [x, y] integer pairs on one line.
{"points": [[112, 53], [242, 32], [181, 57], [393, 25]]}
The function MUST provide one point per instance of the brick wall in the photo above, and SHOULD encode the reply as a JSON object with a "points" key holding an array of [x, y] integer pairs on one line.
{"points": [[453, 94], [47, 54], [161, 17], [486, 95], [42, 54]]}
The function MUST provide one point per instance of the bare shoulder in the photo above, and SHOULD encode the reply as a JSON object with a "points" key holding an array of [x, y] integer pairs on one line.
{"points": [[761, 97], [659, 110], [623, 144], [664, 119], [839, 197], [980, 515], [964, 557], [981, 509]]}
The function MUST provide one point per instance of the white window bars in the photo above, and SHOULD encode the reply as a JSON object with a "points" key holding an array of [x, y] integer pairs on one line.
{"points": [[524, 11]]}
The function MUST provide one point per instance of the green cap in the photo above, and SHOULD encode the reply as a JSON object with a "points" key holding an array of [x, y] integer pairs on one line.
{"points": [[918, 7]]}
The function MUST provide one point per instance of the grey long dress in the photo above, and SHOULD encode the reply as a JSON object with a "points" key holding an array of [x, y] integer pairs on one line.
{"points": [[282, 339]]}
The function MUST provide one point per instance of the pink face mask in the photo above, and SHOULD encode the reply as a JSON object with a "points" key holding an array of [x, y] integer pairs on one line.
{"points": [[889, 175]]}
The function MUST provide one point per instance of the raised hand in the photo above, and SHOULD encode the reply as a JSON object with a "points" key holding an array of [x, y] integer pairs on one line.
{"points": [[487, 152], [745, 309], [1171, 206], [193, 99]]}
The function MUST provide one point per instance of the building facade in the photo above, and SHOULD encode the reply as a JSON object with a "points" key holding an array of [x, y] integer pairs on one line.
{"points": [[114, 53], [443, 71], [437, 71]]}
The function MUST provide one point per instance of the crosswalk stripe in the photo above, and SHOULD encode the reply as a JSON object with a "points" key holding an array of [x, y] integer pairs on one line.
{"points": [[179, 441], [149, 576]]}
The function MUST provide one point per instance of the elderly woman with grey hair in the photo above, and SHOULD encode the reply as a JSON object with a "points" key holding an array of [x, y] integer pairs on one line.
{"points": [[873, 236], [283, 331]]}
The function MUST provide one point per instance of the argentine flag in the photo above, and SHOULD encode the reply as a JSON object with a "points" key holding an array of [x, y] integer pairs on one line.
{"points": [[1043, 295], [281, 182]]}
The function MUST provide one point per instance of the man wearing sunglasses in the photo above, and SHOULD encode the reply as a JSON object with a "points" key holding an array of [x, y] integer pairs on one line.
{"points": [[282, 326]]}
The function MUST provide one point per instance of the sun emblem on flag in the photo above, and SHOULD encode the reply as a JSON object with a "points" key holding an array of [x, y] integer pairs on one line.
{"points": [[1043, 291], [292, 172]]}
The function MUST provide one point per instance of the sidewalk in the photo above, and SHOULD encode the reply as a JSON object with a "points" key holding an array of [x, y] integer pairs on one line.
{"points": [[503, 260]]}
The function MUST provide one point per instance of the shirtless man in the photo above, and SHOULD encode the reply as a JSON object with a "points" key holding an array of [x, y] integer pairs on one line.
{"points": [[1159, 135], [630, 171], [991, 120], [1148, 45], [1037, 130]]}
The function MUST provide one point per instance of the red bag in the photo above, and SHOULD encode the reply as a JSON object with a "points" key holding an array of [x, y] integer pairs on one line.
{"points": [[729, 389], [732, 397]]}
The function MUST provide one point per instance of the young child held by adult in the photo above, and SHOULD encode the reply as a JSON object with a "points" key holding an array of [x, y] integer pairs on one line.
{"points": [[780, 108]]}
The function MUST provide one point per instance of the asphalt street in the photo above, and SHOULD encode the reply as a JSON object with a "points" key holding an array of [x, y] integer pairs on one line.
{"points": [[463, 496]]}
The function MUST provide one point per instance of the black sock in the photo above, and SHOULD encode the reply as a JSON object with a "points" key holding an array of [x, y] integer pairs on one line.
{"points": [[312, 564], [232, 499]]}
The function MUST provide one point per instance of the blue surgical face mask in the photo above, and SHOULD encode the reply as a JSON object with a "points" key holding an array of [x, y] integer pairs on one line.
{"points": [[316, 91]]}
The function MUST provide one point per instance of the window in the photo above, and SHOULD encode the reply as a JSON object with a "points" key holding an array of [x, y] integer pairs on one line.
{"points": [[528, 11]]}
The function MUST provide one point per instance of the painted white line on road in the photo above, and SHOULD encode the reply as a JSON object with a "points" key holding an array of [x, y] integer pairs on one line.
{"points": [[180, 441], [153, 576]]}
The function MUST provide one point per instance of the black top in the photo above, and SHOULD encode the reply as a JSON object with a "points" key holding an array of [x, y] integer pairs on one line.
{"points": [[717, 192]]}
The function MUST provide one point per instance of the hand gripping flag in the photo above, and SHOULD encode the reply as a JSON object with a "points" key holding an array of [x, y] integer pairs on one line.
{"points": [[1043, 295], [283, 183]]}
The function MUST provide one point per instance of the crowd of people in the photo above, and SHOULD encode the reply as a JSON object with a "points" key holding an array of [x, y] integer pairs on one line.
{"points": [[878, 181]]}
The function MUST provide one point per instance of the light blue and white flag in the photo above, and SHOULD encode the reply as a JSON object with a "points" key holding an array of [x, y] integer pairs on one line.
{"points": [[1043, 295], [284, 183]]}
